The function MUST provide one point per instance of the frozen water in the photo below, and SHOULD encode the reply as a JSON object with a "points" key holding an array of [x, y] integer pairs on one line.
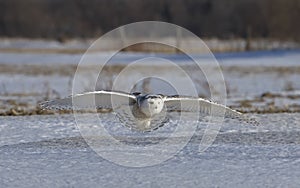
{"points": [[48, 151]]}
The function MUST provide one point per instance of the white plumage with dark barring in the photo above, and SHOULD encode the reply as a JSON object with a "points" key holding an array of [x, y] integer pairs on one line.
{"points": [[141, 112]]}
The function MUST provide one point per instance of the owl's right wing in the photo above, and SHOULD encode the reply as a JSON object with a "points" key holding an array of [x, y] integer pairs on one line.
{"points": [[90, 101]]}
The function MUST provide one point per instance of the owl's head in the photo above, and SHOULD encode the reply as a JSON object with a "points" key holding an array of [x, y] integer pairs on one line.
{"points": [[151, 104]]}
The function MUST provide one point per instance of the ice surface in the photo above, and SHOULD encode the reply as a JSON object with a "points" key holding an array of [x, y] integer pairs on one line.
{"points": [[48, 151]]}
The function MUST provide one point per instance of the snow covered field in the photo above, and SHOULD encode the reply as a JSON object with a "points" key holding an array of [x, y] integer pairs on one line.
{"points": [[49, 151], [255, 81]]}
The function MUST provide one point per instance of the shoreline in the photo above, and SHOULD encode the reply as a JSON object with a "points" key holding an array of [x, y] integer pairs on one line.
{"points": [[79, 46]]}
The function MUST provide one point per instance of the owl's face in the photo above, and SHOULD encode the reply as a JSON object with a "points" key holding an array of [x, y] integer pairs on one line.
{"points": [[151, 104]]}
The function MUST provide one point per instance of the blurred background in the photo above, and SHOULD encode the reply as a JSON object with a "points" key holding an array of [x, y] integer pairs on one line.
{"points": [[67, 19], [268, 24], [256, 43]]}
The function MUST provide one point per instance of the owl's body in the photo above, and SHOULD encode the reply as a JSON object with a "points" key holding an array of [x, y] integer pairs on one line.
{"points": [[141, 112]]}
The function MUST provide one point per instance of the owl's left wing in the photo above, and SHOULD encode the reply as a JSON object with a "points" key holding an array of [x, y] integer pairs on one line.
{"points": [[200, 105]]}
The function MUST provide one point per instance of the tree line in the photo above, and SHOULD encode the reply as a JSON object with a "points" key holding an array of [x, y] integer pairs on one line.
{"points": [[224, 19]]}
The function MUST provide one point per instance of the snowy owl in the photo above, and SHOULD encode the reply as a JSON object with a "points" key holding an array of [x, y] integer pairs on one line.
{"points": [[140, 112]]}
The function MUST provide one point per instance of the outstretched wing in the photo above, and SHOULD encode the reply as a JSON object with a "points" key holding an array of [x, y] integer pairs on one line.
{"points": [[200, 105], [91, 100]]}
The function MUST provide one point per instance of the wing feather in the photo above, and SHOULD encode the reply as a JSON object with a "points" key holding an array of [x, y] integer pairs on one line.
{"points": [[199, 105], [91, 100]]}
